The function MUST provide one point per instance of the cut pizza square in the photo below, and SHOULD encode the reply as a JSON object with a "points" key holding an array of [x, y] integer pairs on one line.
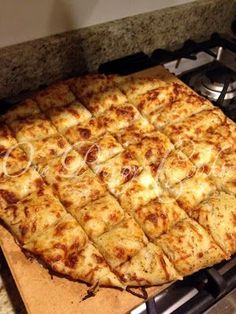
{"points": [[46, 149], [99, 216], [122, 242], [67, 166], [118, 170], [132, 87], [191, 191], [173, 168], [218, 215], [80, 190], [56, 95], [13, 161], [119, 116], [179, 110], [189, 247], [29, 107], [134, 133], [99, 151], [15, 187], [224, 171], [68, 116], [88, 85], [196, 126], [156, 99], [32, 128], [98, 103], [158, 216], [149, 267], [138, 192], [152, 149], [33, 214], [86, 131], [7, 140]]}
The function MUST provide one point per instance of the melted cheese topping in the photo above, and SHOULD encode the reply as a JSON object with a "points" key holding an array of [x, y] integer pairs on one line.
{"points": [[138, 191], [46, 149], [88, 85], [122, 242], [100, 151], [16, 187], [7, 139], [99, 216], [13, 161], [79, 191], [152, 149], [218, 216], [195, 126], [56, 95], [159, 216], [33, 214], [149, 267], [68, 116], [189, 247], [179, 110], [118, 170], [33, 128], [67, 166], [133, 87], [134, 133], [27, 108], [173, 168], [191, 191], [100, 102]]}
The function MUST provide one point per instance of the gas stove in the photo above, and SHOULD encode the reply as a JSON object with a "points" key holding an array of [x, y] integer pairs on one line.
{"points": [[209, 68]]}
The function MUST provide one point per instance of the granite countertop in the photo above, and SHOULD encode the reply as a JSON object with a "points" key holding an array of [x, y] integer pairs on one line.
{"points": [[10, 300]]}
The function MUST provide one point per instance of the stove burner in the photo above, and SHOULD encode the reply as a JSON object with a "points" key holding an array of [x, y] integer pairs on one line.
{"points": [[217, 82]]}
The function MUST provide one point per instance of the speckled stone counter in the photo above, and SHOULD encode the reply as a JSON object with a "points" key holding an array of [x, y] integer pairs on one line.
{"points": [[28, 65], [10, 300]]}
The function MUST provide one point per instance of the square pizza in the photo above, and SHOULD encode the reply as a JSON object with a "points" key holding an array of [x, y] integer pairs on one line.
{"points": [[118, 170], [86, 86], [7, 139], [67, 166], [29, 107], [99, 151], [32, 128], [132, 87], [217, 215], [152, 149], [122, 242], [159, 216], [68, 116], [179, 110], [56, 95], [77, 258], [15, 187], [189, 247], [134, 133], [46, 149], [137, 192], [191, 191], [33, 214], [156, 99], [149, 267], [195, 126], [13, 161], [80, 190], [172, 168], [99, 216], [85, 132], [100, 102]]}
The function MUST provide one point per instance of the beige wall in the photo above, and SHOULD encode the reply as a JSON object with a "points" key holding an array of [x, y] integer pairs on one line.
{"points": [[22, 20]]}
